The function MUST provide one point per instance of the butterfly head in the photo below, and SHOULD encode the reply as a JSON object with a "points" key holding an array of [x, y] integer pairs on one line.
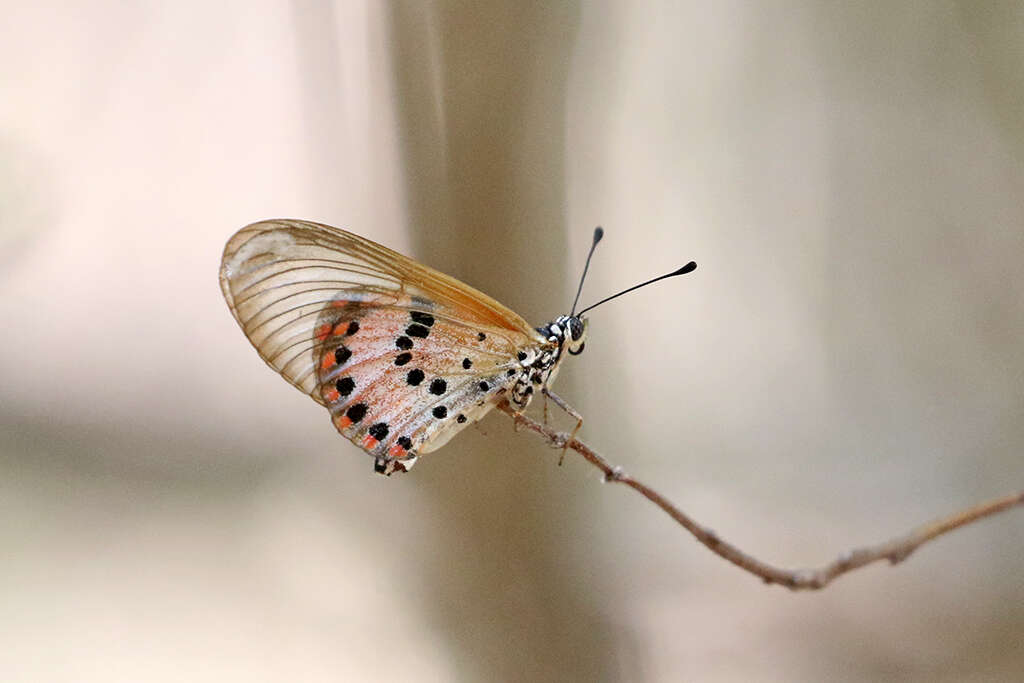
{"points": [[569, 332]]}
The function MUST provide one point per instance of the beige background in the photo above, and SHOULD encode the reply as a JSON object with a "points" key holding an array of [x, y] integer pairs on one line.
{"points": [[846, 362]]}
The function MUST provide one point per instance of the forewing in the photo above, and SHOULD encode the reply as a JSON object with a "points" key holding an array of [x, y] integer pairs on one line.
{"points": [[279, 276]]}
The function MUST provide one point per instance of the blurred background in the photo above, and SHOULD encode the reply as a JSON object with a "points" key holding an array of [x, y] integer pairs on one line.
{"points": [[846, 362]]}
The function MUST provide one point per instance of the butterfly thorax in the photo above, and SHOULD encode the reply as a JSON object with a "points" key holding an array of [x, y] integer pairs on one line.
{"points": [[540, 364]]}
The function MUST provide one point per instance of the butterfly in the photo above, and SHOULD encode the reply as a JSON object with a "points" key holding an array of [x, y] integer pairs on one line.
{"points": [[403, 356]]}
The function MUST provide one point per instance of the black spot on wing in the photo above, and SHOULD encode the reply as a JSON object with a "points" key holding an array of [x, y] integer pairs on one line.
{"points": [[422, 318], [345, 385]]}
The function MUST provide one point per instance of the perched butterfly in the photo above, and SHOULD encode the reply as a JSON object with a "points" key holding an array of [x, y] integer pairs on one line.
{"points": [[403, 356]]}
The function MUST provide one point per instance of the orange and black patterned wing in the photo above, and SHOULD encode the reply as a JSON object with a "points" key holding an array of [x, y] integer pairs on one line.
{"points": [[402, 355]]}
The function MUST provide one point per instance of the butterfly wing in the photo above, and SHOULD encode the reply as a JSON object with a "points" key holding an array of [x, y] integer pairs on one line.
{"points": [[402, 355]]}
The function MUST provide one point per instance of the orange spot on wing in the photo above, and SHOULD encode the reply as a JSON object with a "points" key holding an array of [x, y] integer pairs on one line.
{"points": [[339, 303], [342, 421], [328, 362], [396, 451], [323, 331], [341, 329], [370, 442], [332, 395]]}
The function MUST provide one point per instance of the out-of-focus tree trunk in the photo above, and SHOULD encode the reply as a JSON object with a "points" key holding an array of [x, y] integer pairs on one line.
{"points": [[482, 113]]}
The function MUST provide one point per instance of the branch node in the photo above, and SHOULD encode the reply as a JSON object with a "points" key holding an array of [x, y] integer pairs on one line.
{"points": [[614, 474], [808, 578], [844, 559]]}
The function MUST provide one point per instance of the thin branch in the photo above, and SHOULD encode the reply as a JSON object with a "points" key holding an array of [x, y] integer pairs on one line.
{"points": [[895, 550]]}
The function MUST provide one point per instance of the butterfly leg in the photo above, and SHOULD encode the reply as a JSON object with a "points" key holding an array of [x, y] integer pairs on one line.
{"points": [[572, 412]]}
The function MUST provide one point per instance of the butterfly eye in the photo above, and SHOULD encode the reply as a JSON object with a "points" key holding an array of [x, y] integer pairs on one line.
{"points": [[575, 328]]}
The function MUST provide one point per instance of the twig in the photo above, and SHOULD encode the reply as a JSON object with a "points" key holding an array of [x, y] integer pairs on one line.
{"points": [[895, 550]]}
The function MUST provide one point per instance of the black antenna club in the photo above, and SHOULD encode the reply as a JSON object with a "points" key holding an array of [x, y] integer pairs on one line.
{"points": [[688, 268]]}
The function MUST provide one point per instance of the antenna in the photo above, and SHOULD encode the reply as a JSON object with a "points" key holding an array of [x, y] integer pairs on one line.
{"points": [[688, 268], [598, 234]]}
